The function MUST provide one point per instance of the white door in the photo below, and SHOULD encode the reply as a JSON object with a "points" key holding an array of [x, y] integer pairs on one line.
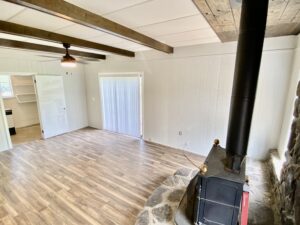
{"points": [[5, 142], [51, 105]]}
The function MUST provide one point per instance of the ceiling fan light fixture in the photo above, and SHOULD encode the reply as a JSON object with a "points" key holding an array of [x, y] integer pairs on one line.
{"points": [[67, 60]]}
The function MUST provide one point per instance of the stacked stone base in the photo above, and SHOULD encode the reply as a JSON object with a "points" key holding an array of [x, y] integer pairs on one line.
{"points": [[162, 204], [286, 192]]}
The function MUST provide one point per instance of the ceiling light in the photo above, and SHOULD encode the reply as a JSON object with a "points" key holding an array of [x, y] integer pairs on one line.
{"points": [[67, 60]]}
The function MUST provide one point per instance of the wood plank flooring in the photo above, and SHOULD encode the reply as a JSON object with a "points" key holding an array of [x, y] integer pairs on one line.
{"points": [[26, 134], [87, 177]]}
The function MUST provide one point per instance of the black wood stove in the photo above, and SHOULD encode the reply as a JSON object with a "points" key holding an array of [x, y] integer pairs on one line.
{"points": [[215, 195]]}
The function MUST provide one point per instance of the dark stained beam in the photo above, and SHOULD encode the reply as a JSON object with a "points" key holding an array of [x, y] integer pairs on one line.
{"points": [[65, 10], [44, 48], [20, 30]]}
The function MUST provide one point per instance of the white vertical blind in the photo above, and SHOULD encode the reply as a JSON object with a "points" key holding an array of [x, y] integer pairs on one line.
{"points": [[121, 104]]}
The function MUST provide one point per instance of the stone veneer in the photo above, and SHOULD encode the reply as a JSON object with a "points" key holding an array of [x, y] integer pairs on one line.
{"points": [[287, 188], [161, 206]]}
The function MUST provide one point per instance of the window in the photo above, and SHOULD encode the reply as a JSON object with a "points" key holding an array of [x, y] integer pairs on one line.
{"points": [[6, 89]]}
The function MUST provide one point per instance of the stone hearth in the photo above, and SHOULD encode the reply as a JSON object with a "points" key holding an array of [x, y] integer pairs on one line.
{"points": [[161, 206]]}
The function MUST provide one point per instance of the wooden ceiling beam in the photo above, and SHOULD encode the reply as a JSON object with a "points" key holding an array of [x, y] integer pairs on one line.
{"points": [[44, 48], [65, 10], [20, 30]]}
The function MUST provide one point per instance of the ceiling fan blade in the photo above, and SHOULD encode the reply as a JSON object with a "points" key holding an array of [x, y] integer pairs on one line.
{"points": [[81, 59], [81, 62], [50, 60], [88, 59], [51, 57]]}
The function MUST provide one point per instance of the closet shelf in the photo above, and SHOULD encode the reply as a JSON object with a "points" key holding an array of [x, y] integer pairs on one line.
{"points": [[24, 89], [26, 98], [22, 85], [20, 94]]}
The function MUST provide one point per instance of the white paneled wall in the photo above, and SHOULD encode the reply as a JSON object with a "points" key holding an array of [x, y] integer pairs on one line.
{"points": [[189, 92], [75, 93]]}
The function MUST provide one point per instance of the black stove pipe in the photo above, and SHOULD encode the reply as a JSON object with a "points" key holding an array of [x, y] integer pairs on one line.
{"points": [[248, 58]]}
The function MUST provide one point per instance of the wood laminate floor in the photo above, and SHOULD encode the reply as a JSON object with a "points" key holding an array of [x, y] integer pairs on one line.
{"points": [[82, 178], [26, 134]]}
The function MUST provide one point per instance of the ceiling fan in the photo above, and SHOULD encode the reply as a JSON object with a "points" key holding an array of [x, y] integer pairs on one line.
{"points": [[67, 60]]}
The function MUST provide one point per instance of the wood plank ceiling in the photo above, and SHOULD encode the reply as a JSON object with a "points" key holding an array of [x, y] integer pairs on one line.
{"points": [[224, 17]]}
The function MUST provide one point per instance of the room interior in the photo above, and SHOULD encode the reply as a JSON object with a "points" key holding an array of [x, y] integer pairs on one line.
{"points": [[117, 106], [21, 109]]}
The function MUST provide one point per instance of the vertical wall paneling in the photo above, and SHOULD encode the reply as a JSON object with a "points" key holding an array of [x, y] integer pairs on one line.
{"points": [[187, 94]]}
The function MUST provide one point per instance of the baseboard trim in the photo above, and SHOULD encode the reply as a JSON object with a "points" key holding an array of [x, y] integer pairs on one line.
{"points": [[178, 150]]}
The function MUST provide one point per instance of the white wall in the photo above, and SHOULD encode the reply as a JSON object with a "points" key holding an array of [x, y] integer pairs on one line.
{"points": [[24, 114], [75, 91], [16, 61], [190, 91]]}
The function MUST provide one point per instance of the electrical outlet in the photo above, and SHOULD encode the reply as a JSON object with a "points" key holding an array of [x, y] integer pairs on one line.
{"points": [[180, 133]]}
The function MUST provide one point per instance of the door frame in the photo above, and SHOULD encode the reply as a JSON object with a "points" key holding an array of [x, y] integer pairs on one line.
{"points": [[3, 118], [125, 74]]}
